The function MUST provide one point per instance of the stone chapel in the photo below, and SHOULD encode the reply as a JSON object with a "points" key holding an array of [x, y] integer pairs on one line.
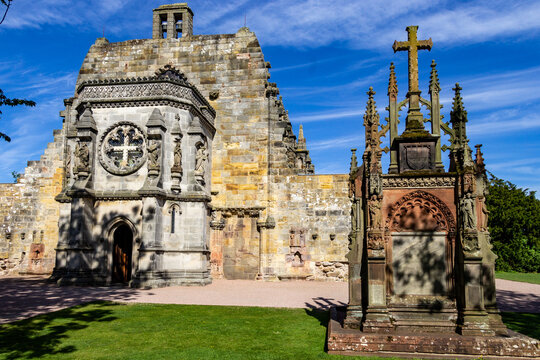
{"points": [[176, 163]]}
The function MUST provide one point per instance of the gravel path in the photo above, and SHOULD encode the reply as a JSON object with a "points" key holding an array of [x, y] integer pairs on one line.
{"points": [[22, 297]]}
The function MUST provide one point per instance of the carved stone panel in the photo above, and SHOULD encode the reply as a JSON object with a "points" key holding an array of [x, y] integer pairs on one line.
{"points": [[418, 262], [416, 156]]}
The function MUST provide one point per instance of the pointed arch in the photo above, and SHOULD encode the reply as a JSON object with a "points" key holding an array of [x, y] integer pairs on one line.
{"points": [[420, 211]]}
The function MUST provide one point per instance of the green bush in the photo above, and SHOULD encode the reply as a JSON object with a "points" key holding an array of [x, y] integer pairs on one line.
{"points": [[514, 225]]}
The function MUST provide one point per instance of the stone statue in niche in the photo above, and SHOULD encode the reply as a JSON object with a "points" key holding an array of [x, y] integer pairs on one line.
{"points": [[468, 183], [67, 166], [467, 212], [177, 162], [82, 157], [375, 184], [485, 214], [201, 157], [375, 214], [153, 155]]}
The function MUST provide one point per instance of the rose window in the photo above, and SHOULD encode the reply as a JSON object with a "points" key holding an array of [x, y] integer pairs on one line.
{"points": [[123, 149]]}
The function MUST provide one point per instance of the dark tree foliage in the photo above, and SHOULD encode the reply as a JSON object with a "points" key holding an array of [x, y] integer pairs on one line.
{"points": [[514, 225], [3, 99], [12, 102]]}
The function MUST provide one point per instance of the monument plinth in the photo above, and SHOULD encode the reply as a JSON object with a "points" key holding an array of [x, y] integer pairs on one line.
{"points": [[421, 268]]}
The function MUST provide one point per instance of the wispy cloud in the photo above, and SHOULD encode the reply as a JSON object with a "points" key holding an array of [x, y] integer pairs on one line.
{"points": [[304, 65], [373, 24], [337, 142], [329, 115], [498, 90]]}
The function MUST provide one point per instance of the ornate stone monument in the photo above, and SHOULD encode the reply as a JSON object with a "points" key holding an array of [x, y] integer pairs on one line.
{"points": [[137, 185], [421, 269]]}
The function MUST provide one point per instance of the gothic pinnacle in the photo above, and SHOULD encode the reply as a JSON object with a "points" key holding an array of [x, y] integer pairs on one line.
{"points": [[354, 162], [371, 107], [434, 78], [301, 139], [457, 106], [392, 83]]}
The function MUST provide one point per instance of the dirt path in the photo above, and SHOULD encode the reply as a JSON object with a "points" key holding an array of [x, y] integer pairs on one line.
{"points": [[24, 297]]}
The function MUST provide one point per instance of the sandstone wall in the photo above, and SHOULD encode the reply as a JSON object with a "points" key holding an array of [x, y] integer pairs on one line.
{"points": [[29, 214]]}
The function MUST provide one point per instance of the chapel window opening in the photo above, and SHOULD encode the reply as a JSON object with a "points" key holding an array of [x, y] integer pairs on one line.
{"points": [[178, 25], [163, 22], [173, 221]]}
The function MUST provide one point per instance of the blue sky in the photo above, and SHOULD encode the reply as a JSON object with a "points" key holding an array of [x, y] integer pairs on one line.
{"points": [[324, 56]]}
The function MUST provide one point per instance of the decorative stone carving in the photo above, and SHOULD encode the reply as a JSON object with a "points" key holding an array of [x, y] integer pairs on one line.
{"points": [[177, 159], [375, 184], [418, 182], [416, 156], [123, 149], [375, 242], [67, 165], [468, 183], [154, 148], [82, 157], [297, 247], [405, 214], [467, 212], [470, 243], [484, 216], [201, 158], [375, 213]]}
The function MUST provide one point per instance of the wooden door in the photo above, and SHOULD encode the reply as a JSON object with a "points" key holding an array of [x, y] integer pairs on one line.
{"points": [[122, 248]]}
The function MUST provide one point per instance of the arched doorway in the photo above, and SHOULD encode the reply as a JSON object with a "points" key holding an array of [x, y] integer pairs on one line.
{"points": [[122, 252]]}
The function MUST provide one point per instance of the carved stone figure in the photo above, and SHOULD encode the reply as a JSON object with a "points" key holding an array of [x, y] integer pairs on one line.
{"points": [[467, 212], [375, 215], [82, 157], [375, 184], [153, 155], [484, 216], [67, 166], [200, 159], [177, 162]]}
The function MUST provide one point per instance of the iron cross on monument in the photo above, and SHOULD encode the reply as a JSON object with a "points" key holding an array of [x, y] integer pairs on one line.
{"points": [[415, 119]]}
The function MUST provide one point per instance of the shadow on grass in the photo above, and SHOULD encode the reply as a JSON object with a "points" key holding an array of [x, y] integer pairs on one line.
{"points": [[44, 334], [524, 323], [23, 297]]}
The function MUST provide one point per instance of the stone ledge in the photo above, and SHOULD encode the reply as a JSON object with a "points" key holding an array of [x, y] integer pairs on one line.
{"points": [[427, 346]]}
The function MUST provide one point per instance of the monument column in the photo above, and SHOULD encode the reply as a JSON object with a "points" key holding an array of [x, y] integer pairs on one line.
{"points": [[376, 315]]}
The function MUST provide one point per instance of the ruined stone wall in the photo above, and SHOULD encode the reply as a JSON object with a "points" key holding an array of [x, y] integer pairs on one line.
{"points": [[29, 214], [312, 226]]}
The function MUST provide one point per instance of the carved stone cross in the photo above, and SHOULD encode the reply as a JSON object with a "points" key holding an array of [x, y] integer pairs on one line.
{"points": [[414, 116], [125, 149], [412, 46]]}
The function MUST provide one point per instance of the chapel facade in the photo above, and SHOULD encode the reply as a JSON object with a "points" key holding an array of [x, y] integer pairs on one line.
{"points": [[176, 163]]}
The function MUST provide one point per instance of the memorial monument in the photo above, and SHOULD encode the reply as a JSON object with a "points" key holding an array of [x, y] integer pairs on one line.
{"points": [[421, 269]]}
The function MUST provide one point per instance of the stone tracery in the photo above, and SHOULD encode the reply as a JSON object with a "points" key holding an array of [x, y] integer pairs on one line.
{"points": [[420, 211], [123, 149]]}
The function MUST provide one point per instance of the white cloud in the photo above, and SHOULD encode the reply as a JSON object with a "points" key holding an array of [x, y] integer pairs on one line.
{"points": [[354, 140]]}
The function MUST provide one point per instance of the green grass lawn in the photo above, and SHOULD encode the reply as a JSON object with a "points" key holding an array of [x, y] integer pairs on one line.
{"points": [[143, 331], [533, 278]]}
